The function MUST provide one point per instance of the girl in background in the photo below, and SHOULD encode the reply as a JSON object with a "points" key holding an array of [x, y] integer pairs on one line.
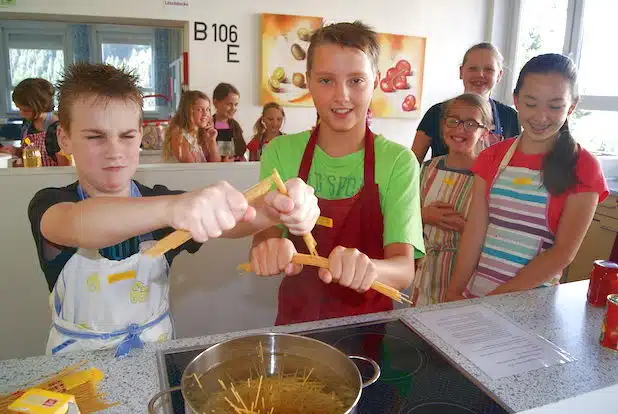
{"points": [[534, 196], [34, 97], [266, 128], [225, 98], [446, 184], [191, 136], [480, 72]]}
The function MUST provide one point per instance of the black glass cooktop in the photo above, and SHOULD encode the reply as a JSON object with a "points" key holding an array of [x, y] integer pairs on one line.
{"points": [[416, 379]]}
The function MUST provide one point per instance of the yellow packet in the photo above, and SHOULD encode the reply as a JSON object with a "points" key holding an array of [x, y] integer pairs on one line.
{"points": [[78, 378], [38, 401]]}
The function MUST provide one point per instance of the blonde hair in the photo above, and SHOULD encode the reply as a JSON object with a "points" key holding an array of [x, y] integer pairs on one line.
{"points": [[485, 46], [182, 120], [475, 101], [259, 128]]}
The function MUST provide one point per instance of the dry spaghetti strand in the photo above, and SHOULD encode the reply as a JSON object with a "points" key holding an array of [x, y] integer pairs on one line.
{"points": [[82, 384], [178, 237], [317, 261], [308, 238]]}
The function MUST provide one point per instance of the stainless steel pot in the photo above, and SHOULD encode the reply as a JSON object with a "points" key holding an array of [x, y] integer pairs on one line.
{"points": [[242, 353]]}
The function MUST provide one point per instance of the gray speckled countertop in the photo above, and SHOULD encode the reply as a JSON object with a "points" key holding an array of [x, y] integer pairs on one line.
{"points": [[560, 315]]}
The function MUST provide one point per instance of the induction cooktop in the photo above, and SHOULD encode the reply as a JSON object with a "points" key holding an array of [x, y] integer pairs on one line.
{"points": [[415, 379]]}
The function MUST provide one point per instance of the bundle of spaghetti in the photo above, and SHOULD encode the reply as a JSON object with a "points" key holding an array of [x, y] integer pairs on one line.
{"points": [[310, 260], [289, 393], [178, 237], [82, 384]]}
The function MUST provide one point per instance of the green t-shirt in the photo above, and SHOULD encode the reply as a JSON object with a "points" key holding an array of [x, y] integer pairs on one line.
{"points": [[396, 173]]}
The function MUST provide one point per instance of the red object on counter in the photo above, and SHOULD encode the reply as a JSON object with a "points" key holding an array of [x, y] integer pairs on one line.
{"points": [[603, 282], [609, 329]]}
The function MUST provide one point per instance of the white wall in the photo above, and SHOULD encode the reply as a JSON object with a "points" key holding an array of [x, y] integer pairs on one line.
{"points": [[450, 26]]}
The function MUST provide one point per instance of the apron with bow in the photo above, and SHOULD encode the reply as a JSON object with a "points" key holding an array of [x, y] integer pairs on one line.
{"points": [[439, 183], [98, 303]]}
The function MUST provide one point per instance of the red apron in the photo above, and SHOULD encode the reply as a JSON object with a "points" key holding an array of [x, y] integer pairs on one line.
{"points": [[357, 223]]}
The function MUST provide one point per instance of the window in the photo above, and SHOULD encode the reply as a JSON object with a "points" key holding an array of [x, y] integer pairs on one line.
{"points": [[133, 51], [597, 62], [542, 28], [582, 29], [33, 55], [44, 49], [590, 129]]}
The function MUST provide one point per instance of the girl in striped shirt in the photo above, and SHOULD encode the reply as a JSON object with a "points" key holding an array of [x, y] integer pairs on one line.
{"points": [[446, 184], [533, 196]]}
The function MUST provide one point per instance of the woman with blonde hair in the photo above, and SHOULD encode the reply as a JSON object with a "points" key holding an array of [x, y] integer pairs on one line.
{"points": [[191, 136]]}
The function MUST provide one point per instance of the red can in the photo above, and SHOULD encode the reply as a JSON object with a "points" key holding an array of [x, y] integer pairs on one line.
{"points": [[609, 329], [603, 282]]}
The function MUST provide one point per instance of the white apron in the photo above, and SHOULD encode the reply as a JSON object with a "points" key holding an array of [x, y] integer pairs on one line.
{"points": [[99, 303]]}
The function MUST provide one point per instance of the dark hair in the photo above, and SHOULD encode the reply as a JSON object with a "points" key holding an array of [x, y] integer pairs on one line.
{"points": [[222, 90], [356, 35], [559, 165], [485, 46], [36, 94], [100, 80]]}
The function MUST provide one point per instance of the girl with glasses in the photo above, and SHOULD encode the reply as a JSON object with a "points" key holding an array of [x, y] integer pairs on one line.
{"points": [[480, 72], [534, 196], [446, 183]]}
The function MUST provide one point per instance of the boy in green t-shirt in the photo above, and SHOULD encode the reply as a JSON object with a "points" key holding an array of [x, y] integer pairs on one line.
{"points": [[368, 185]]}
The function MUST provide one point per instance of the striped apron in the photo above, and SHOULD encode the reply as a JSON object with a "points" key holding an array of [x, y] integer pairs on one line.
{"points": [[518, 228], [438, 183]]}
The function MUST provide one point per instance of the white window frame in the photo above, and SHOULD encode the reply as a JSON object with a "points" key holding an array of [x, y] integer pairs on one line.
{"points": [[572, 47], [42, 29], [130, 35]]}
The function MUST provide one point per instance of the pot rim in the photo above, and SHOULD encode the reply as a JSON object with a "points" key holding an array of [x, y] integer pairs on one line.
{"points": [[359, 386]]}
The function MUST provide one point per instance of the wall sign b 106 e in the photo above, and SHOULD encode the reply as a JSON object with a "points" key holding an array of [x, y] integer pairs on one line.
{"points": [[221, 33]]}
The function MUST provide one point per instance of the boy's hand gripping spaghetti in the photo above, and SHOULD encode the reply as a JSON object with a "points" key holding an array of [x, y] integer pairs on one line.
{"points": [[178, 237]]}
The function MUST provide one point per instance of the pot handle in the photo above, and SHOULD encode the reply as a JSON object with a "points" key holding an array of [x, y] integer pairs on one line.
{"points": [[153, 400], [376, 369]]}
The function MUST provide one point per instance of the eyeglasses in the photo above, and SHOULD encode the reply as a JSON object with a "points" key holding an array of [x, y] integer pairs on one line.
{"points": [[469, 125]]}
